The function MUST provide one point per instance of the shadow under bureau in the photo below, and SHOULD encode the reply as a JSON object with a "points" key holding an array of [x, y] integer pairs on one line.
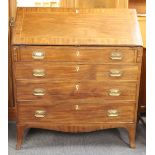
{"points": [[76, 70]]}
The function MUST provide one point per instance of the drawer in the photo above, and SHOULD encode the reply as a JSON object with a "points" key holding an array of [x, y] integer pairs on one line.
{"points": [[78, 54], [47, 70], [76, 113], [87, 89]]}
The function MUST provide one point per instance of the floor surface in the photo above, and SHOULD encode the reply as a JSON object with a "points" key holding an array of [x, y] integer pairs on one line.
{"points": [[105, 142]]}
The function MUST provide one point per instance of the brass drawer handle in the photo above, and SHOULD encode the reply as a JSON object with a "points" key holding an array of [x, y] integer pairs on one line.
{"points": [[38, 72], [38, 55], [114, 92], [116, 56], [112, 113], [40, 113], [39, 92], [115, 73]]}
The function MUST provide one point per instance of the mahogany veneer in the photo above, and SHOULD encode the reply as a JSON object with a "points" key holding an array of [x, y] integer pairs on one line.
{"points": [[76, 70]]}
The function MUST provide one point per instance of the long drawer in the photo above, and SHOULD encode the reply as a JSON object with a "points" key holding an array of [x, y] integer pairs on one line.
{"points": [[78, 54], [76, 113], [26, 90], [46, 70]]}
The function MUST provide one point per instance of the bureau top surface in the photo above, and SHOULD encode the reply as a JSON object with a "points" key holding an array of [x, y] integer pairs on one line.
{"points": [[51, 26]]}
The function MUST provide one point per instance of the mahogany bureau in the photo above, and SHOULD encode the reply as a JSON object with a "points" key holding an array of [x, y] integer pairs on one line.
{"points": [[76, 70]]}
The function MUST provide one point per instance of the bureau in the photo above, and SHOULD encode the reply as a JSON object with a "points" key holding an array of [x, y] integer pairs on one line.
{"points": [[76, 70]]}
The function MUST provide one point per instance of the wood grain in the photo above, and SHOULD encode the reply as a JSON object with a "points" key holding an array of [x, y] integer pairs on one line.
{"points": [[74, 128], [68, 114], [35, 23], [12, 8], [11, 103], [74, 72], [142, 93], [76, 99], [139, 5], [93, 4], [99, 55], [142, 23], [85, 90]]}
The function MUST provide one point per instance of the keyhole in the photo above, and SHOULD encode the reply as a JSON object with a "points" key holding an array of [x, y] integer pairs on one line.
{"points": [[77, 68], [77, 11], [76, 107], [77, 87], [77, 53]]}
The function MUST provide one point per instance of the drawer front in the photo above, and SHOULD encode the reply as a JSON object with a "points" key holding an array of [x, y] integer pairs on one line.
{"points": [[87, 89], [76, 113], [73, 54], [46, 70]]}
